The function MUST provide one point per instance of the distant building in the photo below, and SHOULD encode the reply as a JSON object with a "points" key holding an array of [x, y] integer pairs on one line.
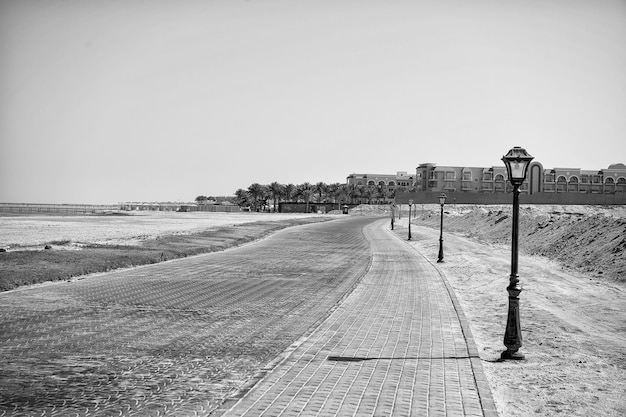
{"points": [[400, 179], [430, 177]]}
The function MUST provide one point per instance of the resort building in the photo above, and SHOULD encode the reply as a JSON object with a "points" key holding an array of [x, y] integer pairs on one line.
{"points": [[400, 179], [430, 177]]}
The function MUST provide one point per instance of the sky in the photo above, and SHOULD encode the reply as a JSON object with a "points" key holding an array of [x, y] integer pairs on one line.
{"points": [[109, 101]]}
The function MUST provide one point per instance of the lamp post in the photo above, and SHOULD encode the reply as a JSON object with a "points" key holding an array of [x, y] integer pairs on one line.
{"points": [[516, 161], [442, 201], [410, 205], [392, 206]]}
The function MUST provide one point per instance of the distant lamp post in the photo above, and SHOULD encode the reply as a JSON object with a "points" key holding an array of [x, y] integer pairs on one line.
{"points": [[410, 205], [392, 207], [442, 202], [516, 161]]}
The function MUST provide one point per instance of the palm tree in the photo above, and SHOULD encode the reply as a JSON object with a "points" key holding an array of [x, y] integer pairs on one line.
{"points": [[382, 192], [343, 192], [241, 197], [257, 193], [332, 191], [368, 192], [354, 192], [321, 189], [275, 190], [290, 189], [305, 190]]}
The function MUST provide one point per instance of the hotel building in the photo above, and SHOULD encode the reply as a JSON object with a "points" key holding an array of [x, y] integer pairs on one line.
{"points": [[430, 177]]}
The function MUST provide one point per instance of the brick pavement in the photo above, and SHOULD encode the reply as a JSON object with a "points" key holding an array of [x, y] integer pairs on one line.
{"points": [[399, 345], [173, 338]]}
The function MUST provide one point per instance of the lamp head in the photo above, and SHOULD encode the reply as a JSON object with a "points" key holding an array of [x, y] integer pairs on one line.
{"points": [[517, 162], [410, 202], [442, 199]]}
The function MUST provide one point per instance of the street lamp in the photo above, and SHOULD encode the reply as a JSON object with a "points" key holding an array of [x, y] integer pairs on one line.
{"points": [[516, 161], [442, 201], [392, 207], [410, 205]]}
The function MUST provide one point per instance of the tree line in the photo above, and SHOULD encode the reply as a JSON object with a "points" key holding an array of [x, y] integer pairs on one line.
{"points": [[267, 197]]}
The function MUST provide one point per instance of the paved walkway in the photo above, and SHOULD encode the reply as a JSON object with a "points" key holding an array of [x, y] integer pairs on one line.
{"points": [[399, 345]]}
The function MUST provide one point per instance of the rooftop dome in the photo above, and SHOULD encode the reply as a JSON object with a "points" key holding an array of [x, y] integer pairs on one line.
{"points": [[617, 166]]}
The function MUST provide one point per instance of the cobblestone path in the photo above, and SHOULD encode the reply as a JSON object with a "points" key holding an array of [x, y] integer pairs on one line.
{"points": [[397, 346], [176, 338]]}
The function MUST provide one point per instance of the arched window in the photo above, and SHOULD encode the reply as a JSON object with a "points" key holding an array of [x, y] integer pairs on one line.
{"points": [[499, 185], [371, 183], [609, 185], [621, 185], [573, 184], [561, 184], [392, 183], [381, 182]]}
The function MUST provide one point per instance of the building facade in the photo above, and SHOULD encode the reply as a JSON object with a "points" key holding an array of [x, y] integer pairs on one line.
{"points": [[400, 179], [430, 177]]}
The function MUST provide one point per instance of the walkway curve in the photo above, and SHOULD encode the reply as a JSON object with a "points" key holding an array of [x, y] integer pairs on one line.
{"points": [[398, 345]]}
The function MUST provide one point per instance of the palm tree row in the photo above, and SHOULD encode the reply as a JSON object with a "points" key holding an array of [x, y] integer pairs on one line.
{"points": [[268, 197]]}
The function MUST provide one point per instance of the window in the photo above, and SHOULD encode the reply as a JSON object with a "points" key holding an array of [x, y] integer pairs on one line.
{"points": [[467, 176], [487, 176], [449, 185], [450, 175]]}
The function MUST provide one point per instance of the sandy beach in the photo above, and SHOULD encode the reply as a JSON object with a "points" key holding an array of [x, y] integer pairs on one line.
{"points": [[21, 232]]}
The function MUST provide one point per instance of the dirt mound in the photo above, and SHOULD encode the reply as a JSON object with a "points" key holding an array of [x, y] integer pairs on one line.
{"points": [[586, 238], [371, 210]]}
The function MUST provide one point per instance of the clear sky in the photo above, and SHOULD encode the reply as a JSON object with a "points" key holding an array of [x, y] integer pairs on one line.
{"points": [[109, 101]]}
